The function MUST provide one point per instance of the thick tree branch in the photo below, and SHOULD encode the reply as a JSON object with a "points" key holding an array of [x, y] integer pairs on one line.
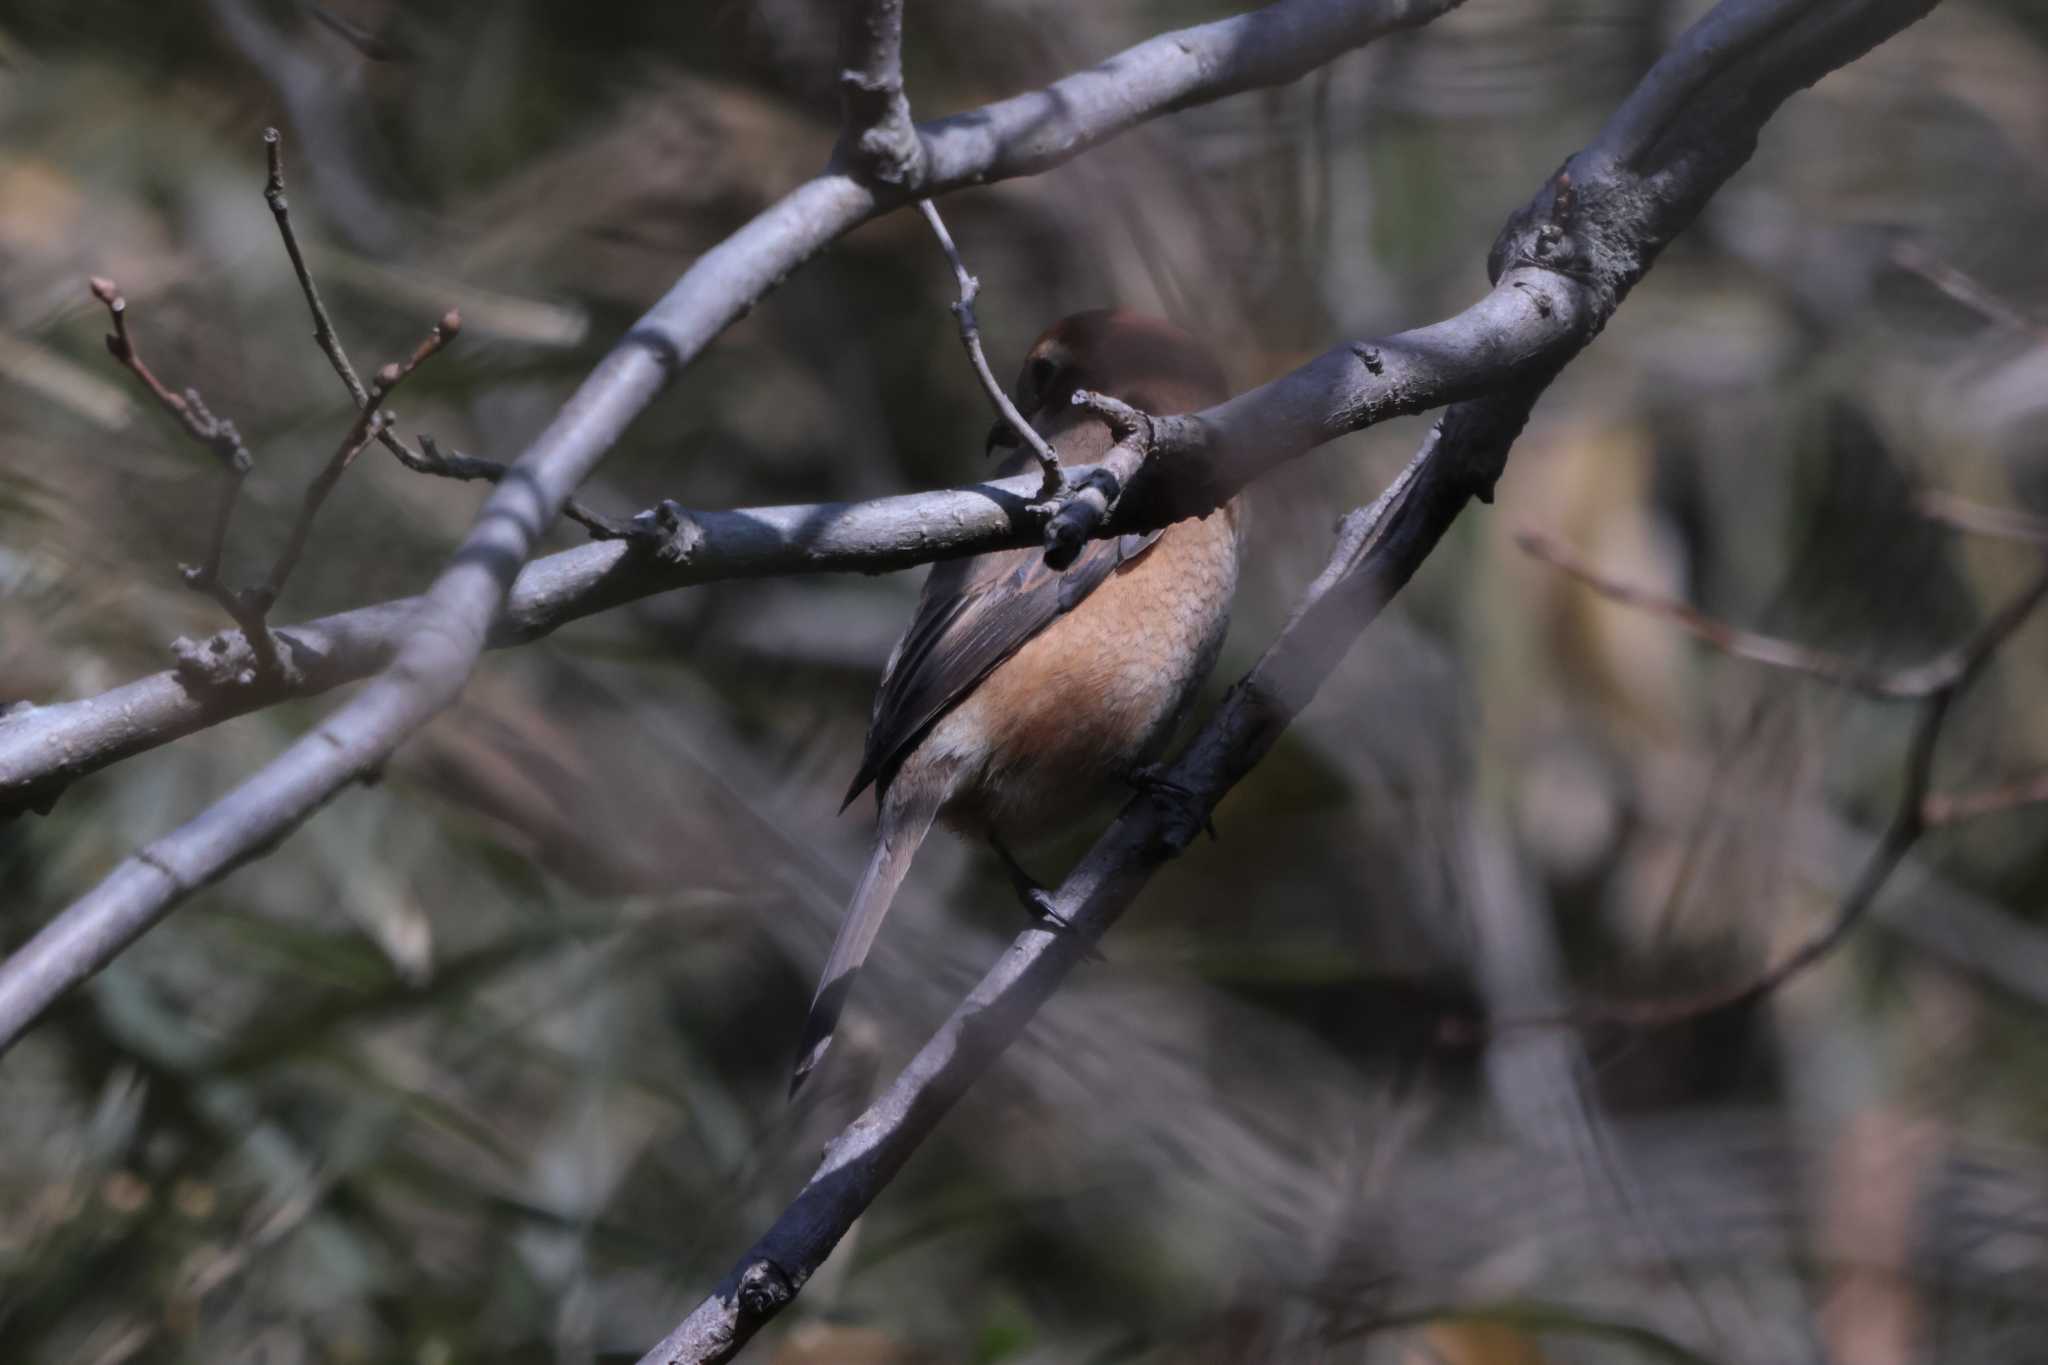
{"points": [[451, 624], [879, 139], [1599, 224]]}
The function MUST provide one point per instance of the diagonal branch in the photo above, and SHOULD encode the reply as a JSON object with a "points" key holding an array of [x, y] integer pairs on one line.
{"points": [[1630, 213], [450, 625]]}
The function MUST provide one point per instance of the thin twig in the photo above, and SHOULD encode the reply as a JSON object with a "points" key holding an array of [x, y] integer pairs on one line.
{"points": [[369, 422], [453, 464], [218, 435], [970, 337], [323, 326], [428, 459]]}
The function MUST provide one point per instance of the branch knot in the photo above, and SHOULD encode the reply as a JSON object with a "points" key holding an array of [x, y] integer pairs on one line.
{"points": [[763, 1290], [1080, 514], [669, 531]]}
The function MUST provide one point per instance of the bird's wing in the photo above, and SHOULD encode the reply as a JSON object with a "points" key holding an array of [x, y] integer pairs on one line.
{"points": [[974, 614]]}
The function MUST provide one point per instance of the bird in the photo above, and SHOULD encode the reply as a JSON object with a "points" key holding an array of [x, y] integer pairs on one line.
{"points": [[1020, 694]]}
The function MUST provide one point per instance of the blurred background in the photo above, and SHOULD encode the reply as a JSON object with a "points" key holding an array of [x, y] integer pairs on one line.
{"points": [[488, 1061]]}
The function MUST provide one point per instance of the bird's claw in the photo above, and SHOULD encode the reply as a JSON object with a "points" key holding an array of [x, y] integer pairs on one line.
{"points": [[1046, 910], [1151, 779]]}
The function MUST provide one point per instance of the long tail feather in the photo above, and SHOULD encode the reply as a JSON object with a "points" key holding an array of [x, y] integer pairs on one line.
{"points": [[906, 817]]}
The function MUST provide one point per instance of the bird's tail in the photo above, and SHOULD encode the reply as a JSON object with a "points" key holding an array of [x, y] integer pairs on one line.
{"points": [[906, 817]]}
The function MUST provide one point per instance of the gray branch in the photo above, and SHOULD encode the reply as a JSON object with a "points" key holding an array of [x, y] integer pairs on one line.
{"points": [[1599, 225], [446, 631], [879, 140]]}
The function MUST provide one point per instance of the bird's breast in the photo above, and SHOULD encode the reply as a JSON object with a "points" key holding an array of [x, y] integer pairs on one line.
{"points": [[1094, 694]]}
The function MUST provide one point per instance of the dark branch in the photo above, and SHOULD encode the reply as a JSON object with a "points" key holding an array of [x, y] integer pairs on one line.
{"points": [[219, 436], [324, 334]]}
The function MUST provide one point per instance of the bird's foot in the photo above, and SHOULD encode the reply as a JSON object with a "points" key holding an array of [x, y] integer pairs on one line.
{"points": [[1038, 901], [1046, 911], [1152, 780]]}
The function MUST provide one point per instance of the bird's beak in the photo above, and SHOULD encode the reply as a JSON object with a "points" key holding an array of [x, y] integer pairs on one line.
{"points": [[1001, 439]]}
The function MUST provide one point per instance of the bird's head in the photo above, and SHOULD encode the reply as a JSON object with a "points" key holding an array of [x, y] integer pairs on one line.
{"points": [[1144, 361]]}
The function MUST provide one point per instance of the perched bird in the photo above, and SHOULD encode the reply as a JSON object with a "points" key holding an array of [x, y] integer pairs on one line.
{"points": [[1020, 693]]}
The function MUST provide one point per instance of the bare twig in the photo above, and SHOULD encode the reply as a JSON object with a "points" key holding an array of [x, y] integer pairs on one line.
{"points": [[970, 337], [428, 459], [369, 422], [218, 435], [323, 326], [447, 629]]}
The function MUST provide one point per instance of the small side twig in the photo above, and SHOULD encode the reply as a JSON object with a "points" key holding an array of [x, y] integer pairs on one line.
{"points": [[970, 337], [218, 435], [370, 421], [428, 458]]}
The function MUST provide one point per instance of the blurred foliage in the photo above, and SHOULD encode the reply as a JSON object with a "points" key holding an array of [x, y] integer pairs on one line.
{"points": [[487, 1062]]}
